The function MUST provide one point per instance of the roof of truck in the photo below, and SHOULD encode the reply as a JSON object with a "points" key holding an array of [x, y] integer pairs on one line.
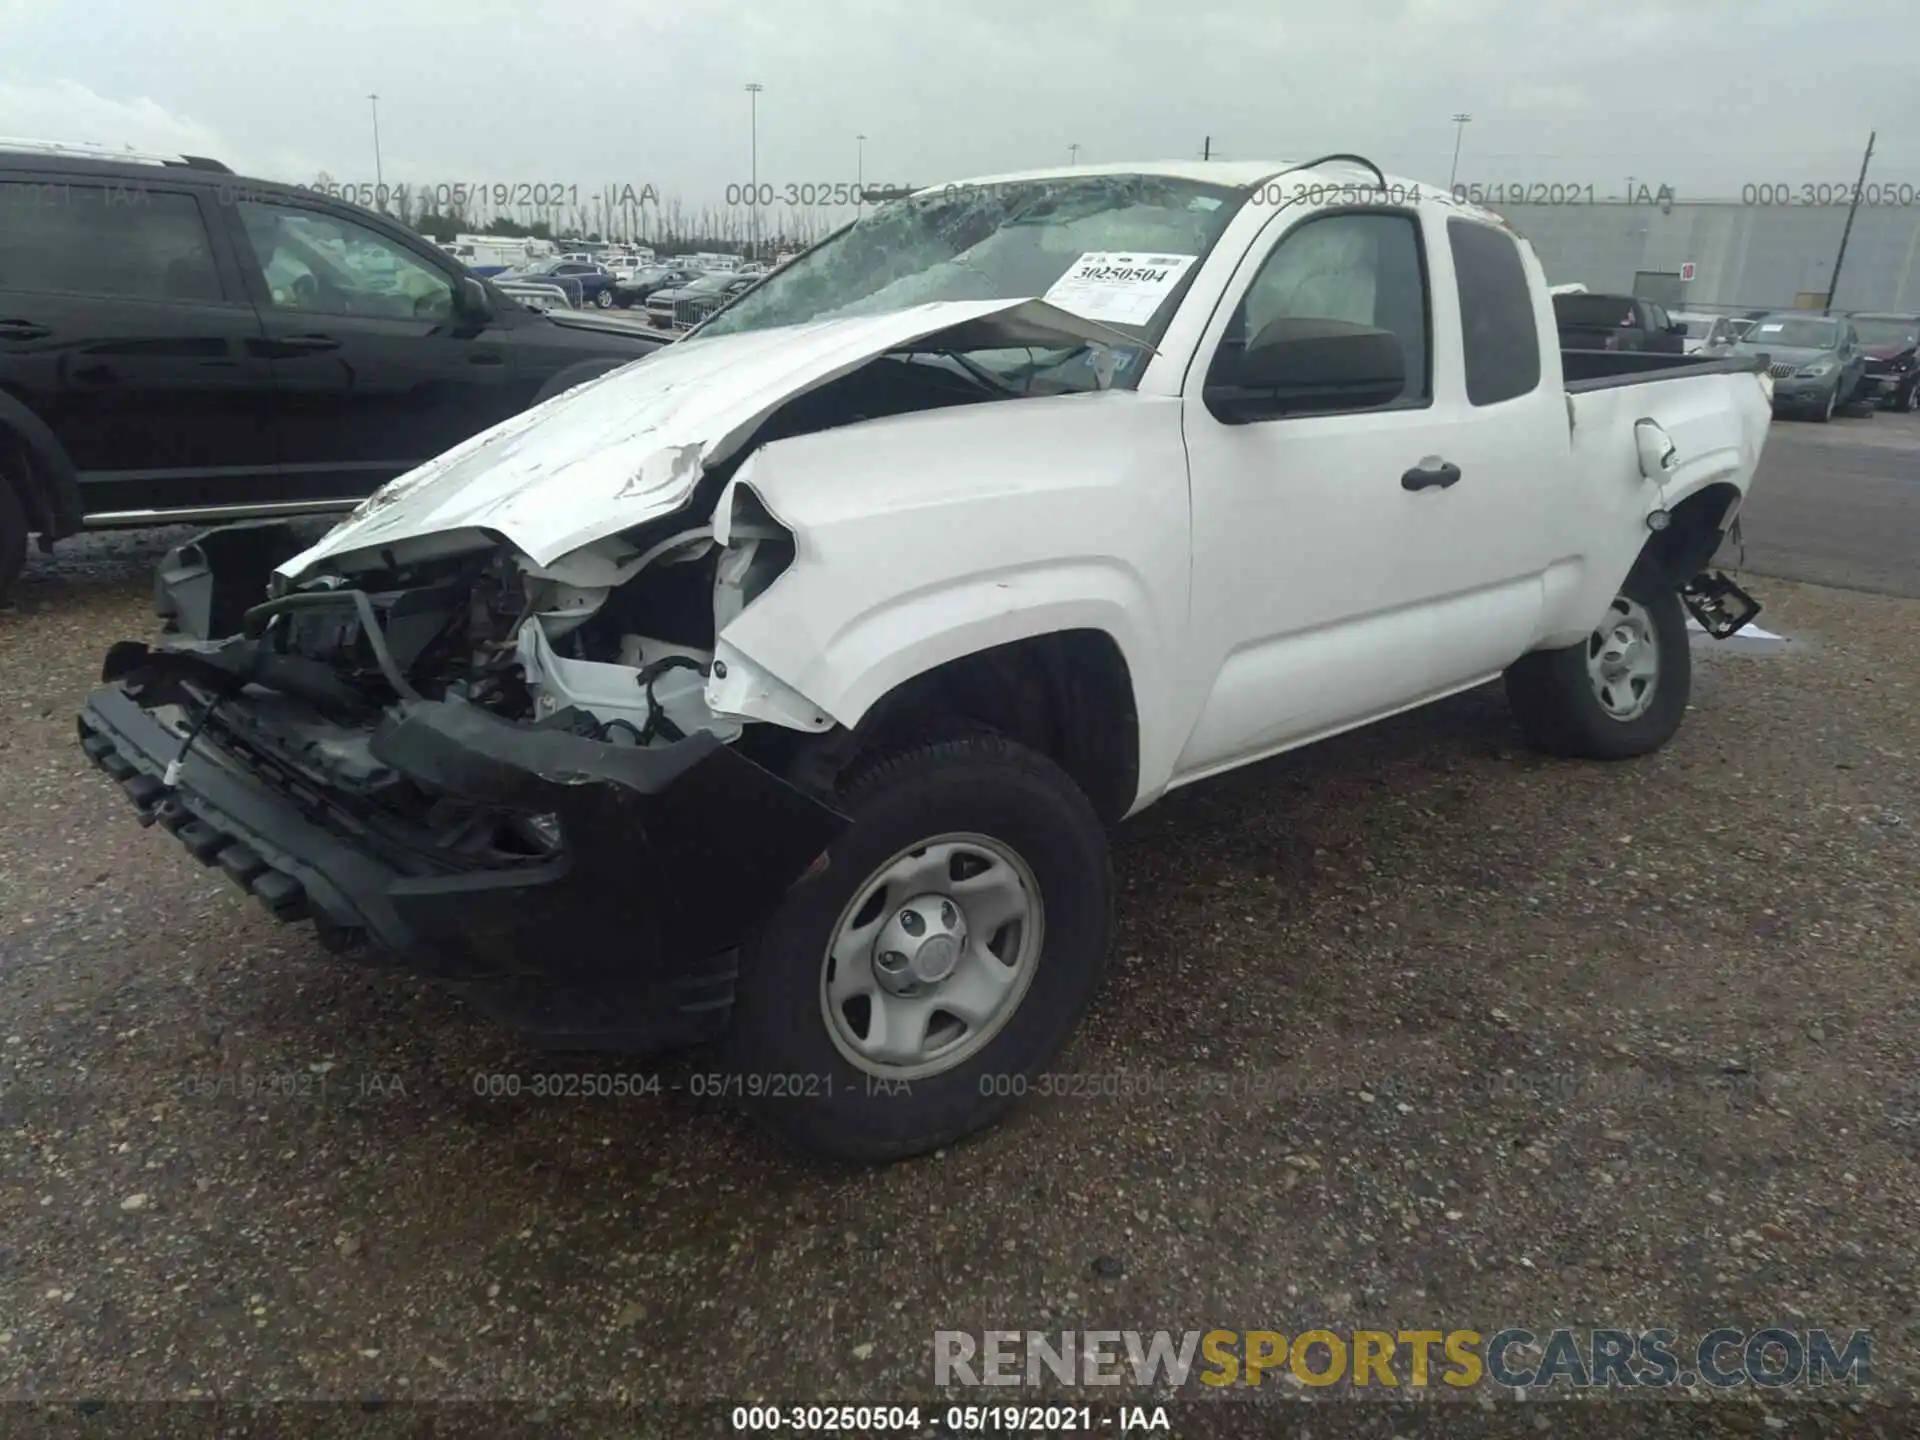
{"points": [[1231, 174]]}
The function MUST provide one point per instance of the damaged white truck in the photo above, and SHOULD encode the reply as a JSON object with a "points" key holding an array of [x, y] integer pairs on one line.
{"points": [[777, 689]]}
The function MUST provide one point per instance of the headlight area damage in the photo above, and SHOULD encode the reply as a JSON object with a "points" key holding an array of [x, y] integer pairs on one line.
{"points": [[585, 889], [473, 724]]}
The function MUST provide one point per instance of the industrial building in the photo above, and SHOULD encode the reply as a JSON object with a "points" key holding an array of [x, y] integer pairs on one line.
{"points": [[1739, 256]]}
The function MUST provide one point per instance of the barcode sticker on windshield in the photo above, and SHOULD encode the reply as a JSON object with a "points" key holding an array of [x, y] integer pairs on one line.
{"points": [[1118, 289]]}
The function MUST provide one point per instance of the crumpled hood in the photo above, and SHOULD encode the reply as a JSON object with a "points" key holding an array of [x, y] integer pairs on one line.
{"points": [[631, 445]]}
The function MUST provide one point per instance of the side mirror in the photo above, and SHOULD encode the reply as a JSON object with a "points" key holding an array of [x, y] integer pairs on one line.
{"points": [[471, 303], [1296, 365], [1677, 328]]}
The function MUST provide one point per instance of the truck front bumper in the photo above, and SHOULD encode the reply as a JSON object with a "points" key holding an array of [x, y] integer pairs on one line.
{"points": [[625, 937]]}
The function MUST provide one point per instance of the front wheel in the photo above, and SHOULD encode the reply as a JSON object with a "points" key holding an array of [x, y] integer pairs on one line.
{"points": [[908, 995], [1620, 692], [1825, 414], [604, 300], [13, 536]]}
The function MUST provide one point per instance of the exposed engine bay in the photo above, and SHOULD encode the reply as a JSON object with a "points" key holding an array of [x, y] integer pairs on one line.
{"points": [[614, 641], [613, 644]]}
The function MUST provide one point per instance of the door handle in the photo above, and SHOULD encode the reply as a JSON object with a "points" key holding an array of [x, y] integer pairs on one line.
{"points": [[308, 342], [22, 330], [1418, 479]]}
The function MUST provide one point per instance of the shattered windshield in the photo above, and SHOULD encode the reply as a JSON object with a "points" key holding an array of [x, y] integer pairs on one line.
{"points": [[1005, 242]]}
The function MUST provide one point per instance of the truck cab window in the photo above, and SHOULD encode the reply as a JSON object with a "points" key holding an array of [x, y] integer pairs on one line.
{"points": [[1365, 269], [1498, 331], [319, 264]]}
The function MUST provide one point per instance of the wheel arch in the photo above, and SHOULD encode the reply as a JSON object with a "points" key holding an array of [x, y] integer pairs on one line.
{"points": [[1068, 694], [37, 466], [1695, 529]]}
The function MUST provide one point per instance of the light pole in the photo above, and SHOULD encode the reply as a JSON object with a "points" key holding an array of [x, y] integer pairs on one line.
{"points": [[754, 87], [374, 100], [1073, 154], [1460, 120], [859, 169]]}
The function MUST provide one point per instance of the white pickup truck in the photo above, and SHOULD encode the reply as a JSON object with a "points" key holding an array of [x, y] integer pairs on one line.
{"points": [[779, 688]]}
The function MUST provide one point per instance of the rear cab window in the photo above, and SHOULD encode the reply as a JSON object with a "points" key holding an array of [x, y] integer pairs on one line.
{"points": [[1499, 337], [116, 239]]}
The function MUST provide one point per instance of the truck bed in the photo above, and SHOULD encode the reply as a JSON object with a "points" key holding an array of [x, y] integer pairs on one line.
{"points": [[1716, 412], [1586, 370]]}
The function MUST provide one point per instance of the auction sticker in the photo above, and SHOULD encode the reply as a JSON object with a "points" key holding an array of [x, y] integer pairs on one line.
{"points": [[1118, 289]]}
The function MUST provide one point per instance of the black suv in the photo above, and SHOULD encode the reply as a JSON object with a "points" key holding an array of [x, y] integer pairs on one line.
{"points": [[180, 344]]}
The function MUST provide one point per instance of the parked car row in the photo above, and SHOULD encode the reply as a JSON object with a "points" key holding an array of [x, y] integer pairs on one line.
{"points": [[1821, 364], [586, 282], [684, 306], [201, 357]]}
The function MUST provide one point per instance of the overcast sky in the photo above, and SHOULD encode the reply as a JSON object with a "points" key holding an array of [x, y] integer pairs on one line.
{"points": [[1705, 96]]}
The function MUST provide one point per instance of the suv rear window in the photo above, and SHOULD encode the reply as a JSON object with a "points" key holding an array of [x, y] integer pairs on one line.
{"points": [[122, 241], [1498, 333]]}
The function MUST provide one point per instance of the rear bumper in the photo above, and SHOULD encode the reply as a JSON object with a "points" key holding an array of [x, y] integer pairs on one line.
{"points": [[626, 939]]}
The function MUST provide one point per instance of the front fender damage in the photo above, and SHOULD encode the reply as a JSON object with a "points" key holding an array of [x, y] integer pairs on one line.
{"points": [[657, 844]]}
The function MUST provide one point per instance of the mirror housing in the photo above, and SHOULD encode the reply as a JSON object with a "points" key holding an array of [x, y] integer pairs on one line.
{"points": [[471, 303], [1679, 327], [1305, 365]]}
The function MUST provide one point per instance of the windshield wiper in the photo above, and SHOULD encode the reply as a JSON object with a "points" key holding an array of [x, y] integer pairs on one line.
{"points": [[988, 381]]}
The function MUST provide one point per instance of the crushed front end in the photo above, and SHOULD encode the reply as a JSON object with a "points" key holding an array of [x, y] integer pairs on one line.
{"points": [[472, 769]]}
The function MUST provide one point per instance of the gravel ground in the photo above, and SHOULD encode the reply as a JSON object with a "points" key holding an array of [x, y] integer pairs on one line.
{"points": [[1502, 1041]]}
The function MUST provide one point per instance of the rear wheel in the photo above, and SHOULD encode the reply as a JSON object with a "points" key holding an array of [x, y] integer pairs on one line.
{"points": [[1620, 692], [604, 299], [903, 998], [13, 536]]}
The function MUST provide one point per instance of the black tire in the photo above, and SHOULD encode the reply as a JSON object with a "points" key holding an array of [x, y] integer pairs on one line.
{"points": [[779, 1040], [604, 300], [1553, 697], [13, 537], [1823, 413]]}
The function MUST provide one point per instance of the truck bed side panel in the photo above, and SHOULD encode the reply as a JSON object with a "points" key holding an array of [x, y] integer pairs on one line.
{"points": [[1717, 421]]}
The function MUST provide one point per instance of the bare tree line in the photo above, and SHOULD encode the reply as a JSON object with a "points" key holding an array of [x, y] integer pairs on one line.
{"points": [[663, 222]]}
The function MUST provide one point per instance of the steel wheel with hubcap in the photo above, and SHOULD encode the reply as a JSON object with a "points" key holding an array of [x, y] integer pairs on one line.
{"points": [[1622, 691], [1623, 660], [903, 995], [931, 956]]}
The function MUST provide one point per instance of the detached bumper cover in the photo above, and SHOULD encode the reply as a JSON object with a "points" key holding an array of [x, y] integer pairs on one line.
{"points": [[671, 857]]}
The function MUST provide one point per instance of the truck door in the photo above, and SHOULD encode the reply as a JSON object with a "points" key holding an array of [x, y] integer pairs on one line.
{"points": [[1352, 562]]}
